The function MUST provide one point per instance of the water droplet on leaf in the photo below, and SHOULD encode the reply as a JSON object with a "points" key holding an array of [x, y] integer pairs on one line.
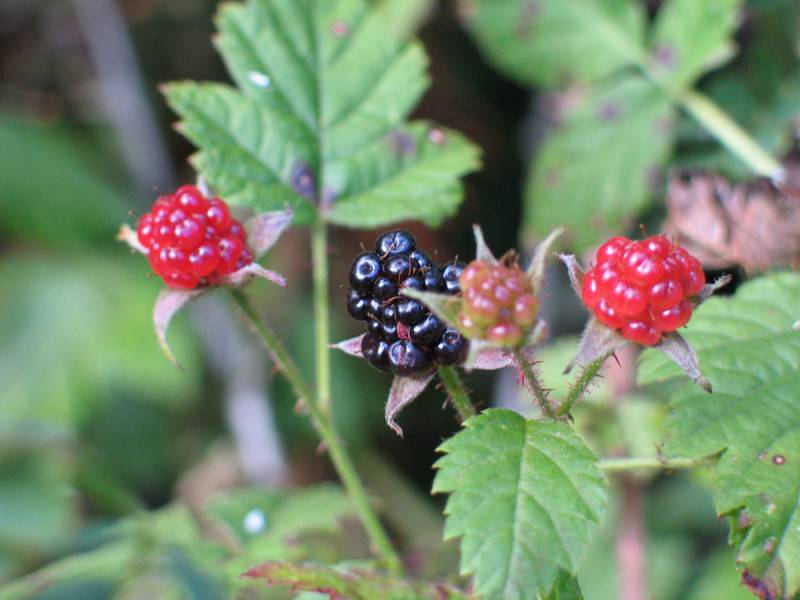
{"points": [[262, 80], [255, 521]]}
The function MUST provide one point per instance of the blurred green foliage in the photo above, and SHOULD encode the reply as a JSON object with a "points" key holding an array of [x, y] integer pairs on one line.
{"points": [[97, 430]]}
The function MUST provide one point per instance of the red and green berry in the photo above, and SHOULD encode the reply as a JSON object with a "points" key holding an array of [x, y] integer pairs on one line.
{"points": [[403, 336], [643, 288], [499, 303], [192, 240]]}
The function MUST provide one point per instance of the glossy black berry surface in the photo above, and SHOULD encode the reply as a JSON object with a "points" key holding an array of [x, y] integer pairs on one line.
{"points": [[452, 348], [395, 242], [403, 337], [451, 274], [376, 351], [365, 270], [406, 358]]}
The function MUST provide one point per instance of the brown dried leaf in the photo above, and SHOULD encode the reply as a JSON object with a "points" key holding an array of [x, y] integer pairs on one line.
{"points": [[755, 225]]}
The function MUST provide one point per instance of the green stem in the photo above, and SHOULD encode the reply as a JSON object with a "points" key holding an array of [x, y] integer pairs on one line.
{"points": [[729, 133], [458, 394], [319, 257], [578, 388], [616, 465], [323, 424], [539, 392]]}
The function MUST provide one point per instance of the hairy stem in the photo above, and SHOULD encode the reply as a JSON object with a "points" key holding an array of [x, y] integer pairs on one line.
{"points": [[319, 257], [458, 394], [532, 380], [730, 134], [579, 387], [616, 465], [323, 424]]}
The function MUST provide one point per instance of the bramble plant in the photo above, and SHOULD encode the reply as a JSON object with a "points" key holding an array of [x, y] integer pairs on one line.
{"points": [[316, 133]]}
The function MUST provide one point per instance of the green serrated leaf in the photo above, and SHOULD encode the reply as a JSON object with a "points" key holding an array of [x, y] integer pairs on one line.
{"points": [[319, 119], [405, 16], [549, 42], [749, 346], [691, 36], [525, 497], [594, 173], [413, 173]]}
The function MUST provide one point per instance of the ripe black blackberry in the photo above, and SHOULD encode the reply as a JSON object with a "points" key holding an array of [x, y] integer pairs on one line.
{"points": [[403, 336]]}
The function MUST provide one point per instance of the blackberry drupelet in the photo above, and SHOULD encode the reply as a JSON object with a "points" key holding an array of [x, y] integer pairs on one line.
{"points": [[403, 336]]}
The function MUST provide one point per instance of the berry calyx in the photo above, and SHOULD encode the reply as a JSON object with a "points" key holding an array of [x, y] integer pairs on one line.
{"points": [[403, 336], [192, 241], [642, 288], [499, 303]]}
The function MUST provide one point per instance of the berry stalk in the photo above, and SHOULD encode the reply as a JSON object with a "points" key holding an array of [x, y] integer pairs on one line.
{"points": [[579, 387], [458, 394], [322, 423], [539, 392], [616, 465], [738, 141], [319, 258]]}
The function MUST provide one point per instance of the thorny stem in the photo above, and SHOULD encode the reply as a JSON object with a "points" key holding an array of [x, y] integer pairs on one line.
{"points": [[324, 426], [319, 257], [539, 392], [458, 394], [579, 387], [617, 465]]}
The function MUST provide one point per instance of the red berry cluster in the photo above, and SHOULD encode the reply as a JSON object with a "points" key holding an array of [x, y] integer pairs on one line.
{"points": [[499, 303], [642, 288], [192, 240]]}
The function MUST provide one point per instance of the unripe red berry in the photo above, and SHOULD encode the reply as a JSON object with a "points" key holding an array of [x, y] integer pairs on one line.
{"points": [[192, 241], [505, 334], [641, 288], [499, 303]]}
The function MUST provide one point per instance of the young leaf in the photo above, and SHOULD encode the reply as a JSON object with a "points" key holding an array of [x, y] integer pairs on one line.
{"points": [[548, 42], [749, 348], [525, 497], [318, 121], [594, 173], [692, 36]]}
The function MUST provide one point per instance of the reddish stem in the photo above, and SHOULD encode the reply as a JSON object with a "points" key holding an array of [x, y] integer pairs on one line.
{"points": [[631, 547]]}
